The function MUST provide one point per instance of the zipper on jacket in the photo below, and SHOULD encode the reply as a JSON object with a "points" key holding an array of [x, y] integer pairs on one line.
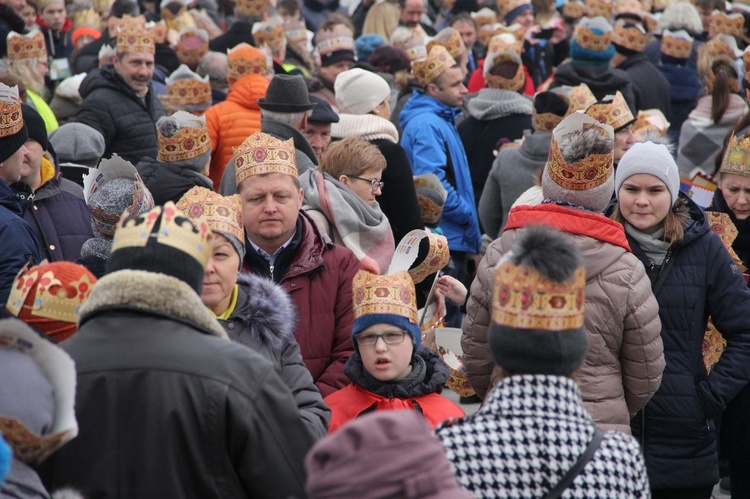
{"points": [[270, 270]]}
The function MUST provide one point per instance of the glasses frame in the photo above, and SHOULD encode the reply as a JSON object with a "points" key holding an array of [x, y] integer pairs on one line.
{"points": [[380, 336], [374, 183]]}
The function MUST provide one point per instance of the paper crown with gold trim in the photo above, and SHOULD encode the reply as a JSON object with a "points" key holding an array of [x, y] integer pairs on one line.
{"points": [[176, 230], [296, 32], [88, 18], [651, 23], [188, 142], [25, 47], [30, 447], [454, 42], [438, 60], [548, 121], [484, 16], [573, 10], [409, 43], [192, 46], [631, 37], [384, 294], [157, 30], [245, 59], [650, 121], [269, 33], [585, 37], [184, 87], [632, 7], [728, 24], [437, 257], [223, 213], [135, 40], [737, 158], [506, 6], [431, 196], [504, 42], [660, 5], [252, 8], [337, 39], [261, 153], [677, 44], [488, 31], [106, 55], [599, 8], [177, 22], [11, 116], [581, 98], [746, 64], [103, 6], [612, 111], [514, 83], [723, 45], [117, 24]]}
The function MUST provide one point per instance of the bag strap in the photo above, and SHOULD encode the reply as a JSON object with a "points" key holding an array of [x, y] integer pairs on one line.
{"points": [[578, 466], [663, 273]]}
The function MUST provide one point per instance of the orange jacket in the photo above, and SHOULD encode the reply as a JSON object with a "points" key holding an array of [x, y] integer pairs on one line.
{"points": [[232, 121]]}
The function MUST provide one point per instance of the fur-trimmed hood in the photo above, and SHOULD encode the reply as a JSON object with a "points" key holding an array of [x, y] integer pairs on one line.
{"points": [[153, 293]]}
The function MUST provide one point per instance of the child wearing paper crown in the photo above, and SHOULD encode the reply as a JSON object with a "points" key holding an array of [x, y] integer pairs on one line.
{"points": [[389, 368]]}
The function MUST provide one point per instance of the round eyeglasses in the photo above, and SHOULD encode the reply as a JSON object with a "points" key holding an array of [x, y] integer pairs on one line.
{"points": [[389, 337], [375, 184]]}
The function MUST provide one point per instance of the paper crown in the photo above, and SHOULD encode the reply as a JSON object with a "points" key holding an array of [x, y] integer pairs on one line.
{"points": [[11, 116], [438, 60], [504, 42], [53, 299], [177, 22], [436, 259], [135, 39], [87, 17], [660, 5], [431, 197], [384, 294], [261, 153], [245, 59], [593, 170], [252, 8], [414, 48], [633, 7], [270, 34], [737, 158], [24, 47], [651, 23], [650, 121], [631, 37], [189, 142], [722, 226], [223, 213], [193, 45], [493, 81], [746, 64], [487, 31], [184, 87], [157, 30], [723, 45], [614, 112], [454, 44], [599, 8], [193, 238], [586, 38], [547, 122], [296, 32], [506, 6], [676, 44], [573, 10], [522, 298], [117, 24], [580, 97], [103, 6], [484, 16], [728, 24], [334, 40], [106, 55]]}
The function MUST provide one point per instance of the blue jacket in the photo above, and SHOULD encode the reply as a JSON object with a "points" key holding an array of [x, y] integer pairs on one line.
{"points": [[429, 134], [680, 437], [684, 89], [17, 244]]}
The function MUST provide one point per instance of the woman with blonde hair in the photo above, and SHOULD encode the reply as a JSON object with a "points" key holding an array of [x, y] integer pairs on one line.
{"points": [[382, 19]]}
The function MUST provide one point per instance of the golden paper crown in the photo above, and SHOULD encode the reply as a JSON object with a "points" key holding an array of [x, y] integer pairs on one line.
{"points": [[175, 230], [660, 5], [722, 226], [589, 40], [678, 44], [384, 294], [188, 143], [438, 60], [30, 447], [11, 116], [24, 47], [53, 299], [436, 259], [595, 8], [723, 45], [504, 42], [223, 214], [573, 10], [484, 16], [650, 121], [252, 8], [134, 39], [296, 32], [106, 55], [261, 153], [614, 113], [737, 158], [546, 122], [193, 45], [157, 30], [513, 84], [505, 6], [628, 7], [650, 23], [103, 6], [431, 197], [454, 44], [338, 38], [182, 20], [118, 24], [728, 24], [488, 31], [245, 59], [415, 49], [185, 87], [88, 17], [632, 37], [270, 34], [523, 298], [581, 98]]}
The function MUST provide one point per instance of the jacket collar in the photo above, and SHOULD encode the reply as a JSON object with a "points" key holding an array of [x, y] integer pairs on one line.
{"points": [[8, 199], [426, 103]]}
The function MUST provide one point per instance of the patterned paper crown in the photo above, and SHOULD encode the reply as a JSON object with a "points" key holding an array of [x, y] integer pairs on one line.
{"points": [[593, 170], [505, 6], [746, 64], [631, 37], [660, 5], [414, 48], [24, 47], [546, 122], [270, 34], [493, 81], [525, 299], [596, 8], [252, 8], [722, 226], [184, 87], [581, 98], [330, 41], [614, 113], [188, 143], [436, 259], [438, 60], [176, 230], [676, 44], [431, 197], [488, 31], [53, 299], [728, 24], [650, 121], [193, 45], [573, 10], [117, 24], [384, 294], [737, 158], [245, 59], [651, 23], [296, 32], [628, 7], [723, 45], [261, 153], [106, 55], [503, 43], [484, 16], [182, 20], [103, 6], [589, 40], [11, 117], [157, 30], [454, 44], [89, 18], [30, 447], [134, 39], [223, 214]]}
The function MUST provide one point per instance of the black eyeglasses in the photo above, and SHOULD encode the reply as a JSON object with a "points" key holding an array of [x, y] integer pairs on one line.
{"points": [[374, 183], [389, 337]]}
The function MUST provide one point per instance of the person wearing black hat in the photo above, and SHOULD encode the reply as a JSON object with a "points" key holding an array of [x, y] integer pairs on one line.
{"points": [[318, 129]]}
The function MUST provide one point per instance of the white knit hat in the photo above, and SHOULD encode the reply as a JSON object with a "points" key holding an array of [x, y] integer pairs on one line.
{"points": [[359, 91], [652, 158]]}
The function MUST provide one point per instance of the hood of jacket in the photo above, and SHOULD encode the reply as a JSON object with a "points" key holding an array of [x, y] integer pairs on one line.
{"points": [[247, 90], [492, 103], [535, 145], [420, 103], [697, 225], [8, 199], [598, 78], [106, 77], [167, 180]]}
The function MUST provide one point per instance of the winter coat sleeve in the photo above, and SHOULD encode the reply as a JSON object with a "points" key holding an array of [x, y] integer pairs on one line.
{"points": [[642, 353], [94, 112], [228, 185], [18, 247], [490, 203]]}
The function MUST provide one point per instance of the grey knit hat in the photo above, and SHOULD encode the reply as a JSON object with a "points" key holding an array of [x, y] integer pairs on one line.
{"points": [[78, 143], [654, 157]]}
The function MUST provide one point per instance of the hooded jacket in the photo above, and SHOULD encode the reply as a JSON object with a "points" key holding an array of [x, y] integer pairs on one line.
{"points": [[433, 145], [651, 87], [18, 243], [625, 360], [169, 182], [127, 122], [59, 43], [602, 80]]}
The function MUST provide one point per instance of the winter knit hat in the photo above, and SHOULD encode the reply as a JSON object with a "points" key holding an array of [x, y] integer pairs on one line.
{"points": [[383, 454], [591, 42], [35, 125], [652, 156], [538, 306], [78, 143], [13, 132], [359, 91], [366, 45]]}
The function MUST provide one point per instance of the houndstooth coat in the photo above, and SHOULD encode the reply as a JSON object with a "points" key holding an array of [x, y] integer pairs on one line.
{"points": [[529, 432]]}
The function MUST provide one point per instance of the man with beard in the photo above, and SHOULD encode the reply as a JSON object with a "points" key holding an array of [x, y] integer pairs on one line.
{"points": [[412, 12]]}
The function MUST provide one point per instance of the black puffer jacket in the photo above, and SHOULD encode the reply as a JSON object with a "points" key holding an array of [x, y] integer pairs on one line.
{"points": [[168, 182], [127, 123], [9, 21], [602, 80]]}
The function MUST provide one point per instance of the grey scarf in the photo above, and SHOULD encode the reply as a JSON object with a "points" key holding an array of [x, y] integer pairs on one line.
{"points": [[652, 245]]}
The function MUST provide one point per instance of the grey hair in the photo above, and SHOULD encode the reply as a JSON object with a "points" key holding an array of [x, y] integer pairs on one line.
{"points": [[168, 126], [291, 119], [400, 36], [681, 15], [214, 64]]}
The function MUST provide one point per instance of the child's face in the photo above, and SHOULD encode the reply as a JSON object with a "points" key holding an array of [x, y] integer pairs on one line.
{"points": [[386, 362]]}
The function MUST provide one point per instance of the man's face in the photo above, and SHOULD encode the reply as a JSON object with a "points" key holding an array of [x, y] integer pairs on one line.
{"points": [[32, 162], [624, 140], [136, 69], [319, 137], [329, 73], [10, 169], [412, 12], [525, 19], [467, 32], [53, 15], [449, 89]]}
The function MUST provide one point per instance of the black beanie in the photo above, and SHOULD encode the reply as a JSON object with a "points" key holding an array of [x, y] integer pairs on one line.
{"points": [[550, 102], [10, 144], [36, 126]]}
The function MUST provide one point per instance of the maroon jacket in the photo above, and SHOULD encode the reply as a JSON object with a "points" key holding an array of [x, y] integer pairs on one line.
{"points": [[319, 281]]}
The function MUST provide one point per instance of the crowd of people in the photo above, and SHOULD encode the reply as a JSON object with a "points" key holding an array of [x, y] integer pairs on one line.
{"points": [[234, 235]]}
